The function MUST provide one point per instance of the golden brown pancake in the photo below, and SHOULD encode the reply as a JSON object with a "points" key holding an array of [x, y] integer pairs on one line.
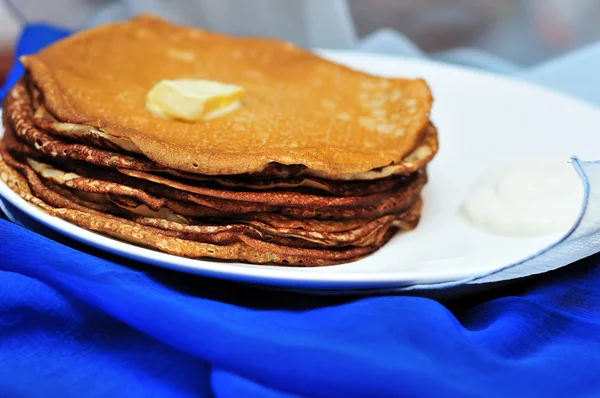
{"points": [[404, 192], [321, 165], [422, 153], [248, 250], [269, 178], [17, 117], [235, 241], [198, 201], [298, 108]]}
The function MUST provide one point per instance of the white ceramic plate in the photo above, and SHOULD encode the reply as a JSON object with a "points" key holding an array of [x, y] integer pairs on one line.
{"points": [[482, 119]]}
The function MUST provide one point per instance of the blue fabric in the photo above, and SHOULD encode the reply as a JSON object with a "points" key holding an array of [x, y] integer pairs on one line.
{"points": [[33, 38], [75, 322]]}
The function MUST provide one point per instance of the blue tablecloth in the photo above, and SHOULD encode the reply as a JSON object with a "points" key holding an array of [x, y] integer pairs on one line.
{"points": [[78, 323]]}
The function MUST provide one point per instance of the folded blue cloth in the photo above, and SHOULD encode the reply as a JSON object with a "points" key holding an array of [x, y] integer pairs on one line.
{"points": [[75, 322]]}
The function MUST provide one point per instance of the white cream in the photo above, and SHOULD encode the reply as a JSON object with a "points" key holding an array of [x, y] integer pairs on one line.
{"points": [[532, 198]]}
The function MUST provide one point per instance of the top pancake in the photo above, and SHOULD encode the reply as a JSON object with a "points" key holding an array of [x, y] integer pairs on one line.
{"points": [[298, 109]]}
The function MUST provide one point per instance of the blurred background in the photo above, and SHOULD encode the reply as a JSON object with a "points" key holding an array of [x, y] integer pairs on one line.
{"points": [[523, 32]]}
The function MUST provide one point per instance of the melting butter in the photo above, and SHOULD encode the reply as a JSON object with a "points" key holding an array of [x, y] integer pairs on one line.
{"points": [[533, 198], [193, 100]]}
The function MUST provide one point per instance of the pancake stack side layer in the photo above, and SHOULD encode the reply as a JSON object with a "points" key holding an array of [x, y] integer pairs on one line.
{"points": [[321, 165]]}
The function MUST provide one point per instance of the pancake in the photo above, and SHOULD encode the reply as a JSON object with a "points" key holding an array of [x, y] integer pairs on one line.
{"points": [[213, 207], [91, 136], [219, 199], [249, 198], [78, 132], [420, 156], [393, 205], [321, 165], [131, 199], [17, 117], [367, 234], [55, 203], [192, 204], [277, 198], [299, 109], [18, 111]]}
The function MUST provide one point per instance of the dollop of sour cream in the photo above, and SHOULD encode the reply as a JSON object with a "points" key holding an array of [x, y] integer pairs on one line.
{"points": [[531, 198]]}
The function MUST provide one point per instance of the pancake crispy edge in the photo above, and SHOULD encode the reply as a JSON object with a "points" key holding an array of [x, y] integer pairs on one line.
{"points": [[106, 191], [247, 250]]}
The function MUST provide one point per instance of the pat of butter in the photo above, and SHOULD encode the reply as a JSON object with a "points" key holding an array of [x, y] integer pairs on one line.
{"points": [[193, 100]]}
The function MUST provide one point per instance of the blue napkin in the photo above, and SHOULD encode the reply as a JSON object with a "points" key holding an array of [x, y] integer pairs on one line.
{"points": [[75, 322]]}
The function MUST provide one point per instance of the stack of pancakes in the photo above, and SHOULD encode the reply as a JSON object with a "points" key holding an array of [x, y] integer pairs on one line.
{"points": [[321, 165]]}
